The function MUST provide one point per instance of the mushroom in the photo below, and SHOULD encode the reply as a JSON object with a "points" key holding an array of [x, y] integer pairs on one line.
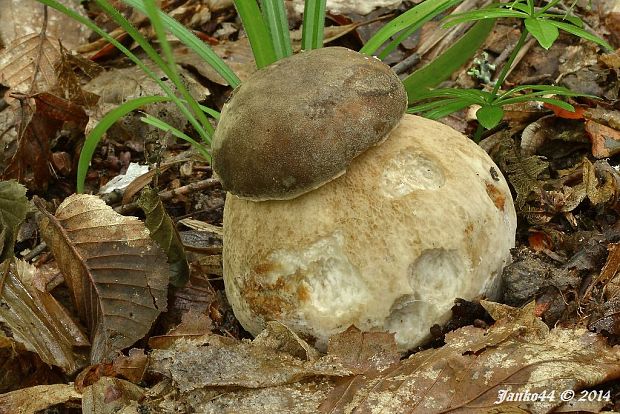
{"points": [[421, 216]]}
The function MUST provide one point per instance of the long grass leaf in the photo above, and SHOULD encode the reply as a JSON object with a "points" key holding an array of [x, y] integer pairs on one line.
{"points": [[403, 35], [93, 138], [444, 65], [194, 43], [483, 15], [158, 123], [157, 59], [577, 31], [432, 105], [206, 132], [274, 14], [313, 24], [258, 34], [446, 110], [408, 22]]}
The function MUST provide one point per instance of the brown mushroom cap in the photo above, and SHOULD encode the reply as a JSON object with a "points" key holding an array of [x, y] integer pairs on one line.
{"points": [[297, 124]]}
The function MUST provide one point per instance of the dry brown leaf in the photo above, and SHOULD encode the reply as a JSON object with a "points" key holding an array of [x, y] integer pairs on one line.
{"points": [[599, 193], [215, 361], [605, 140], [38, 321], [21, 369], [26, 57], [117, 275], [23, 17], [133, 366], [475, 367], [193, 324], [42, 115], [364, 352], [109, 396], [34, 399]]}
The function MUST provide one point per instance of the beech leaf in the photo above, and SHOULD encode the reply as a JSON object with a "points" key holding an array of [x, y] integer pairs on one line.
{"points": [[117, 275], [38, 321], [163, 231]]}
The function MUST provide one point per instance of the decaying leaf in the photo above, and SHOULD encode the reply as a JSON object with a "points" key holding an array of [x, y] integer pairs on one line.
{"points": [[605, 140], [26, 57], [605, 318], [13, 209], [596, 191], [194, 324], [216, 361], [42, 115], [34, 399], [164, 232], [476, 369], [20, 368], [117, 275], [68, 85], [523, 172], [38, 321], [109, 396], [131, 367]]}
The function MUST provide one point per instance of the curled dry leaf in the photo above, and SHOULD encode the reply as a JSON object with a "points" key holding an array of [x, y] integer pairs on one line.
{"points": [[164, 232], [34, 399], [13, 208], [38, 321], [117, 275]]}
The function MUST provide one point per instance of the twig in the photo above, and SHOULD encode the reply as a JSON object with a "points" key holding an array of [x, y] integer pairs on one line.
{"points": [[167, 195], [37, 250]]}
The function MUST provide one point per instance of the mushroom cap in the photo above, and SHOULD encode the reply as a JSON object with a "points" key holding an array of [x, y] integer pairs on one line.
{"points": [[298, 123], [416, 222]]}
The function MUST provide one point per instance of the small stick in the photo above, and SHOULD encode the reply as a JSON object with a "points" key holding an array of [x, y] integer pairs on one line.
{"points": [[167, 195]]}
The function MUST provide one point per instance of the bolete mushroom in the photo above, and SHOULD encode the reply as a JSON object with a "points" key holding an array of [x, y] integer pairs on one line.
{"points": [[421, 216]]}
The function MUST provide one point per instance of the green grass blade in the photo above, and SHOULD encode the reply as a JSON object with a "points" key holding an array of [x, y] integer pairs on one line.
{"points": [[206, 132], [472, 95], [444, 65], [194, 43], [408, 22], [93, 138], [257, 31], [313, 25], [274, 14], [483, 14], [446, 110], [577, 31], [157, 59], [530, 98], [431, 105], [158, 123], [415, 26], [211, 112]]}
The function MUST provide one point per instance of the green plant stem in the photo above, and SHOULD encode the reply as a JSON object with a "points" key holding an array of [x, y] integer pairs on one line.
{"points": [[478, 133], [508, 65]]}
